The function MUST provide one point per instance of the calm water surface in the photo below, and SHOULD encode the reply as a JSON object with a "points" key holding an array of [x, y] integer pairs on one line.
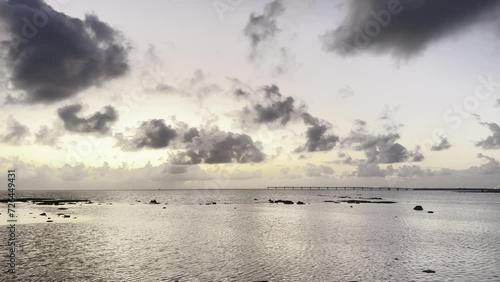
{"points": [[245, 238]]}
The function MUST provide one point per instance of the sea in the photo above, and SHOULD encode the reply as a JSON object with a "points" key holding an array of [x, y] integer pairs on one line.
{"points": [[239, 235]]}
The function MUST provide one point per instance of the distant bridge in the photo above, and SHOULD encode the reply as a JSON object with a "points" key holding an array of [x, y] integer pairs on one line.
{"points": [[336, 188]]}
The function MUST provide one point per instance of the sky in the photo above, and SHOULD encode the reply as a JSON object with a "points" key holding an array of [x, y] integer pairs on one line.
{"points": [[249, 94]]}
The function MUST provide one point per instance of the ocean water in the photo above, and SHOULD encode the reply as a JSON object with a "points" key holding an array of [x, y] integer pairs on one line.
{"points": [[245, 238]]}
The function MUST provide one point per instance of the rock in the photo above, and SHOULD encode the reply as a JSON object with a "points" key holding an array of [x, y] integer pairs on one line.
{"points": [[154, 202], [255, 199], [66, 216], [418, 208], [50, 221], [48, 217], [214, 203], [300, 203], [271, 201], [430, 212], [288, 202], [164, 208], [43, 214], [62, 209], [429, 271], [59, 214]]}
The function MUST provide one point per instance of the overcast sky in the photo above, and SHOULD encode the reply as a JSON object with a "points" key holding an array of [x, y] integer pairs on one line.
{"points": [[248, 94]]}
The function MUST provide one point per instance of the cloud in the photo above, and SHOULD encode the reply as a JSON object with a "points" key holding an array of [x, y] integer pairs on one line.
{"points": [[317, 136], [98, 123], [270, 107], [152, 134], [216, 147], [413, 171], [263, 28], [491, 167], [404, 28], [15, 133], [492, 141], [443, 145], [52, 56], [381, 148], [318, 170], [346, 92], [47, 136], [498, 103], [274, 109], [370, 170]]}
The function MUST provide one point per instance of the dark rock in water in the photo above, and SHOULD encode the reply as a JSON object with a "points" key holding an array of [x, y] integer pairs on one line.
{"points": [[214, 203], [429, 271], [43, 214], [351, 206], [255, 199], [48, 217], [300, 203], [59, 214], [66, 216], [271, 201], [153, 202], [288, 202], [208, 204], [164, 208], [62, 209], [50, 220], [430, 212], [418, 208], [332, 201]]}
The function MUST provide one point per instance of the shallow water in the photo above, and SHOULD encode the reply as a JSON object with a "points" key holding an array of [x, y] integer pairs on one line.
{"points": [[245, 238]]}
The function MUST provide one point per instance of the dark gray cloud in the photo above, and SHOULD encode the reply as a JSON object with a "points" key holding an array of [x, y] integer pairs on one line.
{"points": [[444, 144], [381, 148], [498, 103], [318, 138], [263, 28], [15, 133], [52, 56], [191, 134], [98, 123], [492, 141], [152, 134], [404, 28], [272, 108], [240, 92], [215, 147]]}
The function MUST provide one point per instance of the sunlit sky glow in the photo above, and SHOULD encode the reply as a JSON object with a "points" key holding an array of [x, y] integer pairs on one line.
{"points": [[249, 94]]}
